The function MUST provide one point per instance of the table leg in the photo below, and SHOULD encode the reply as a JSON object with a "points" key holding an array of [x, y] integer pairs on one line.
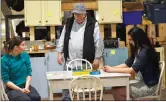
{"points": [[127, 90], [50, 91]]}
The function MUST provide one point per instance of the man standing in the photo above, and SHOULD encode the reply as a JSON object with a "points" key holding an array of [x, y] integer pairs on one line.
{"points": [[80, 39]]}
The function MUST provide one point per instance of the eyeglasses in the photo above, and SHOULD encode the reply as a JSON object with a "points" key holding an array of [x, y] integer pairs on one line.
{"points": [[78, 15]]}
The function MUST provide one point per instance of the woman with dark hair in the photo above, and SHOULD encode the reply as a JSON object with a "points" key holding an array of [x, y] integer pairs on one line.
{"points": [[16, 72], [143, 61]]}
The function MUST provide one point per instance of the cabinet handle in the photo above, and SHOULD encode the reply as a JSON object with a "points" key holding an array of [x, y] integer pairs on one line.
{"points": [[39, 21], [46, 21], [106, 55], [45, 62], [47, 58]]}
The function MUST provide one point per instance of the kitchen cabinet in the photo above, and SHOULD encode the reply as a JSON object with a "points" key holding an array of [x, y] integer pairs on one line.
{"points": [[39, 80], [52, 12], [32, 12], [53, 65], [40, 65], [110, 11], [42, 12], [113, 57]]}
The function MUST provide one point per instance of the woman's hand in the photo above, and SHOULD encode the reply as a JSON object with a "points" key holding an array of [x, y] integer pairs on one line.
{"points": [[27, 91], [22, 90], [107, 68]]}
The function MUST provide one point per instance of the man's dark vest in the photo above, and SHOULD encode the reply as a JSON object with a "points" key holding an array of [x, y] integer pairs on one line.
{"points": [[88, 45]]}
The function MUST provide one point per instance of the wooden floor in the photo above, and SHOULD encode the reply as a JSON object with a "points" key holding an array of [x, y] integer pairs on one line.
{"points": [[107, 96]]}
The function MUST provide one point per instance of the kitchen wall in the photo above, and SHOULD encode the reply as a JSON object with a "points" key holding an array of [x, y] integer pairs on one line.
{"points": [[2, 32]]}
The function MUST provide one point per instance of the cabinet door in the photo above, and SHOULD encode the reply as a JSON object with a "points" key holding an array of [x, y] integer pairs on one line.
{"points": [[110, 11], [52, 62], [115, 57], [53, 65], [33, 12], [52, 12], [39, 80]]}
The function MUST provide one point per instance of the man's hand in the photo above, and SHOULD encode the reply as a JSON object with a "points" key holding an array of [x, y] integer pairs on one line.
{"points": [[95, 64], [27, 91], [60, 58]]}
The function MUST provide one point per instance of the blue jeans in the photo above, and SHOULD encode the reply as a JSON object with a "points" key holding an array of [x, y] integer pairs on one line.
{"points": [[65, 95], [15, 95], [65, 92]]}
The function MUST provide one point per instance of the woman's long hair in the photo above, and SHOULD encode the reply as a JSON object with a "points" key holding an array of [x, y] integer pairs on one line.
{"points": [[141, 40], [14, 41]]}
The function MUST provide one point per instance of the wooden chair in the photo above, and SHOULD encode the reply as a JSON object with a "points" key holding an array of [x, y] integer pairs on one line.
{"points": [[79, 64], [3, 94], [157, 94], [86, 88]]}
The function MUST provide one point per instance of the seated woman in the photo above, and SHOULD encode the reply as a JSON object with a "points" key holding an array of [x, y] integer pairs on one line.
{"points": [[16, 72], [144, 60]]}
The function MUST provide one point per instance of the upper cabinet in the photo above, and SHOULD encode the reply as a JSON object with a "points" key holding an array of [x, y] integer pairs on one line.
{"points": [[110, 11], [32, 12], [52, 12], [42, 12]]}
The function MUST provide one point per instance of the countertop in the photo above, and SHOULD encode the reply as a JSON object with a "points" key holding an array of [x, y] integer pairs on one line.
{"points": [[40, 51]]}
